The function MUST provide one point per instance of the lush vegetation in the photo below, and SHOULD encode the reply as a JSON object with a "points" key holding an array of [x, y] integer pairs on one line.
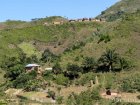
{"points": [[103, 54], [85, 98]]}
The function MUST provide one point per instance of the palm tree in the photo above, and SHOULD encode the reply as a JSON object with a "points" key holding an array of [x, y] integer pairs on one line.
{"points": [[109, 58]]}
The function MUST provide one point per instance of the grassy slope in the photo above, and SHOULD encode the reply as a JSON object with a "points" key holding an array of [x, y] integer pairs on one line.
{"points": [[125, 38], [12, 24], [67, 34], [124, 34], [125, 6]]}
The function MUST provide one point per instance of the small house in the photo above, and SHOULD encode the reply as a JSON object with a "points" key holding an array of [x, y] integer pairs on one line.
{"points": [[57, 22], [30, 67], [97, 20], [85, 19], [92, 19], [79, 20], [46, 24], [72, 20]]}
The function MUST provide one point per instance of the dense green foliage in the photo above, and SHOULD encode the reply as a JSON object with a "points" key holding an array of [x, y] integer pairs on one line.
{"points": [[84, 98], [88, 64], [108, 59], [60, 79], [131, 83], [22, 80]]}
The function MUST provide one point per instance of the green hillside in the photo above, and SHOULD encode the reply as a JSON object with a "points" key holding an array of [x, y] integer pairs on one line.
{"points": [[87, 58], [124, 37], [119, 9], [43, 37]]}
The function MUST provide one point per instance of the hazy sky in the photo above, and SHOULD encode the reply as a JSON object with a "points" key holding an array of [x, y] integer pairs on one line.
{"points": [[29, 9]]}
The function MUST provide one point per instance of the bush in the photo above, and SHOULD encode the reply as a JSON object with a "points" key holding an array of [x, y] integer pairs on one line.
{"points": [[14, 72], [57, 69], [51, 94], [73, 70], [59, 99], [48, 56], [88, 64], [21, 80], [84, 98], [78, 45], [124, 64], [131, 83], [105, 38], [85, 78], [32, 85], [48, 75], [60, 79]]}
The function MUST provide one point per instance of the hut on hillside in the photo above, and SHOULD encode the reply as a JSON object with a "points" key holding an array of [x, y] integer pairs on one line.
{"points": [[57, 22], [46, 24], [30, 67], [79, 20], [72, 20], [85, 19]]}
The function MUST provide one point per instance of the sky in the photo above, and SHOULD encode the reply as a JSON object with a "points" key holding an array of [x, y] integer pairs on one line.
{"points": [[72, 9]]}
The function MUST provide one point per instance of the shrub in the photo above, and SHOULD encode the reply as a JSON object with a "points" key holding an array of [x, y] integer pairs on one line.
{"points": [[105, 38], [88, 64], [32, 85], [85, 78], [124, 64], [57, 69], [48, 75], [77, 58], [51, 94], [9, 62], [48, 56], [84, 98], [73, 70], [60, 79], [14, 72], [131, 83], [78, 45], [59, 99], [21, 80]]}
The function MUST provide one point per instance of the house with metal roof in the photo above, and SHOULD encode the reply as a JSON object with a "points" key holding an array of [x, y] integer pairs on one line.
{"points": [[30, 67]]}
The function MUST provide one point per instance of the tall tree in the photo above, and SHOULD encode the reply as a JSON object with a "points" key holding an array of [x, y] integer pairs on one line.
{"points": [[88, 64], [72, 71], [109, 58]]}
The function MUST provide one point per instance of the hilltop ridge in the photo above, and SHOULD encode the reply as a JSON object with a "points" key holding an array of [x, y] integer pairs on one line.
{"points": [[119, 9]]}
